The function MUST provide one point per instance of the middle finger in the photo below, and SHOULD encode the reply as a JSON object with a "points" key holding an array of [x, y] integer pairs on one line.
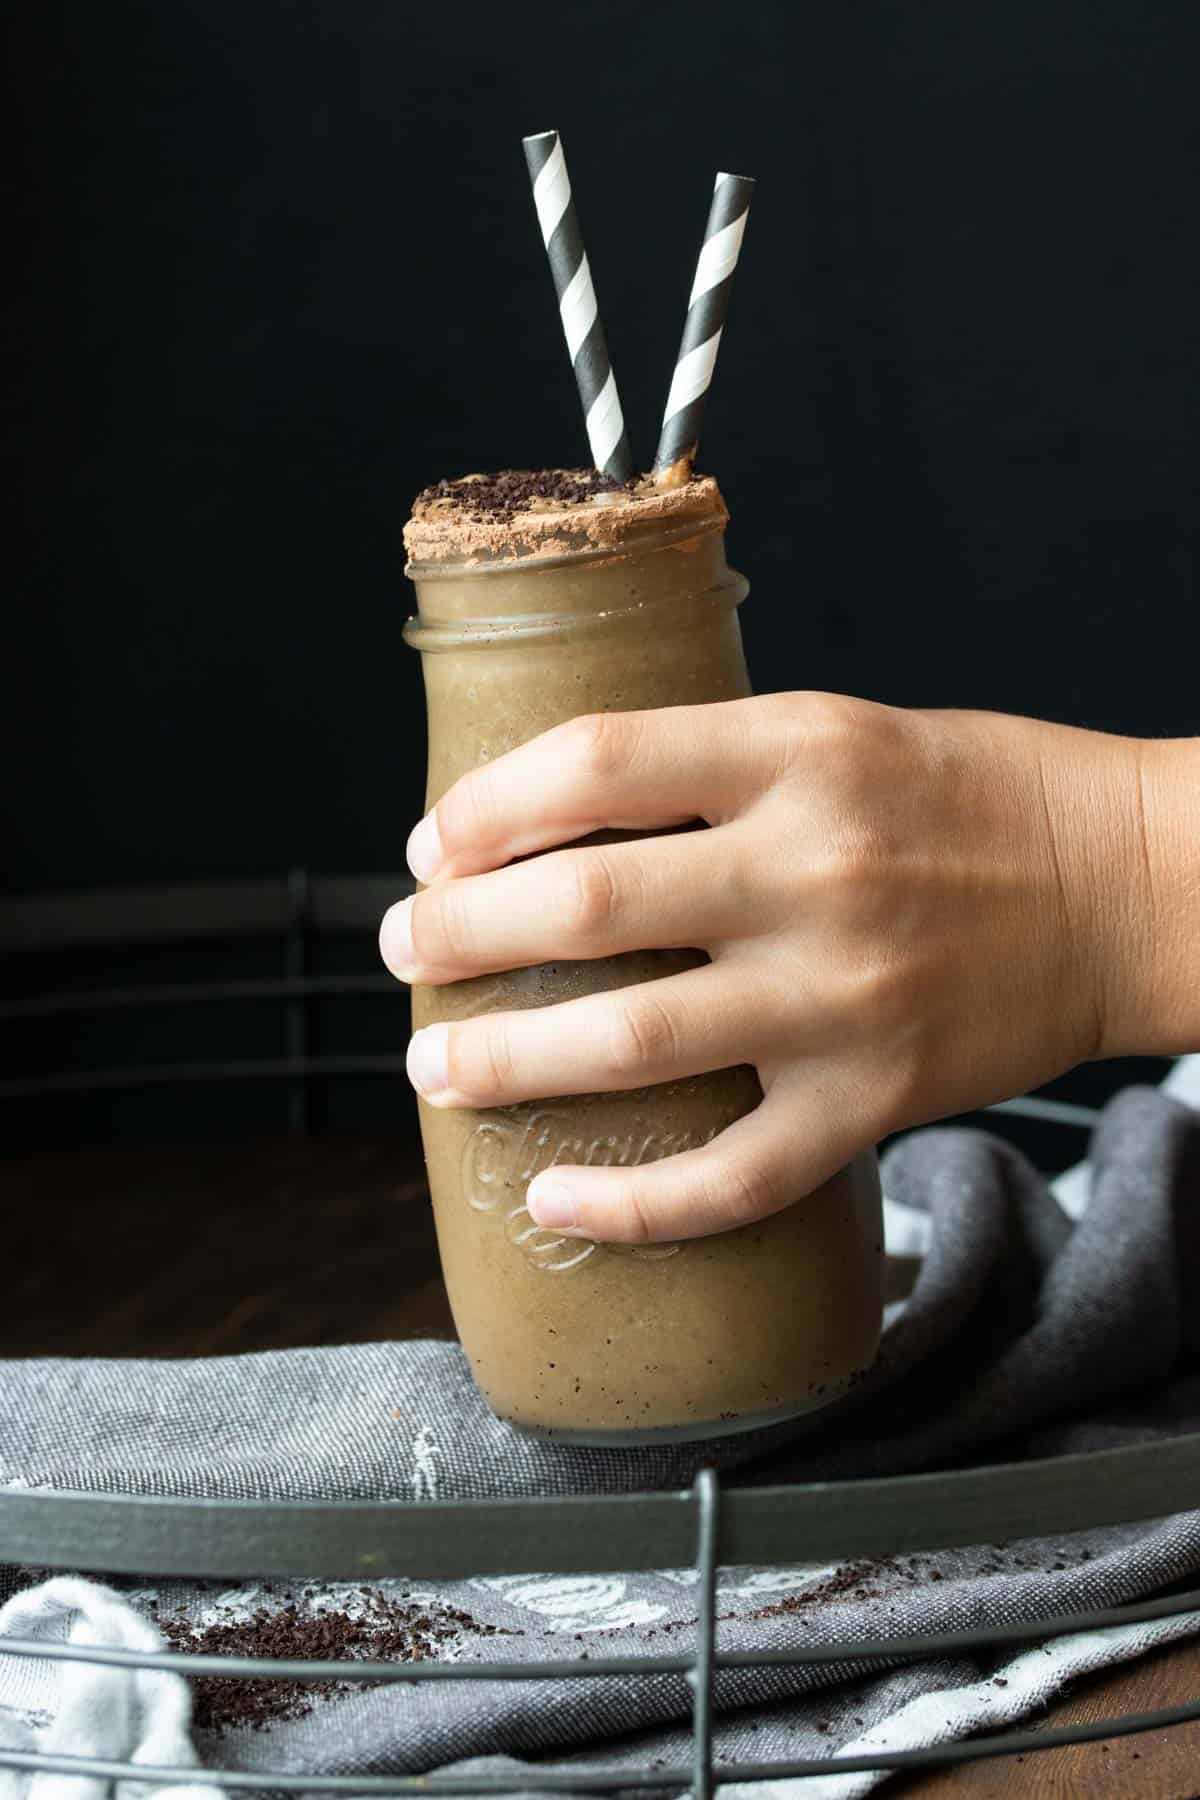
{"points": [[674, 892]]}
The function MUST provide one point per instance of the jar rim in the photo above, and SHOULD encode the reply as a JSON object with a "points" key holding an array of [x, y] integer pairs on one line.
{"points": [[647, 534]]}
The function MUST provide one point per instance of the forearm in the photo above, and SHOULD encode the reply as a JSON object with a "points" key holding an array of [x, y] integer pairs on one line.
{"points": [[1169, 820]]}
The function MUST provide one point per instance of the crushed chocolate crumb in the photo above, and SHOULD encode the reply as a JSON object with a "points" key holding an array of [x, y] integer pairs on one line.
{"points": [[503, 495], [854, 1580]]}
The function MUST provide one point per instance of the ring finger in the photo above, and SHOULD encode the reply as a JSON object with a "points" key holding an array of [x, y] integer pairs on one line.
{"points": [[650, 1032]]}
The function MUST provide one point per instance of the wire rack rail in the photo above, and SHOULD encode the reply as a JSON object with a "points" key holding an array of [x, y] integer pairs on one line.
{"points": [[704, 1525], [235, 1538]]}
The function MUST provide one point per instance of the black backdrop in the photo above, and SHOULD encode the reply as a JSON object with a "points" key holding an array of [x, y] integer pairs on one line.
{"points": [[278, 268]]}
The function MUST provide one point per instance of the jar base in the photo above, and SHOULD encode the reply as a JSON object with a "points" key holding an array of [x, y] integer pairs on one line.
{"points": [[647, 1437]]}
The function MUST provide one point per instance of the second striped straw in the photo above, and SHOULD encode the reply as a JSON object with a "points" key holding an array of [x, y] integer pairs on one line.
{"points": [[708, 305]]}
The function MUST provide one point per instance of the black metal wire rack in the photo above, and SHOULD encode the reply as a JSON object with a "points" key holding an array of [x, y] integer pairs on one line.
{"points": [[703, 1526]]}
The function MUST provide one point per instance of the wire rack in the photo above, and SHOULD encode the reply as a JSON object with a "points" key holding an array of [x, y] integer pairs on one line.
{"points": [[703, 1526]]}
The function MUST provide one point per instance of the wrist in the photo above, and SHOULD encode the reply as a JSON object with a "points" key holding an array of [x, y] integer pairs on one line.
{"points": [[1163, 1017], [1090, 789]]}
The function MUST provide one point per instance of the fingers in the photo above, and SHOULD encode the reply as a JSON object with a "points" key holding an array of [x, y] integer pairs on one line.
{"points": [[774, 1156], [670, 892], [625, 771], [655, 1031]]}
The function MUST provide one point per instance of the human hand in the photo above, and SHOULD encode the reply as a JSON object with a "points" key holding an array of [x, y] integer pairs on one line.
{"points": [[909, 914]]}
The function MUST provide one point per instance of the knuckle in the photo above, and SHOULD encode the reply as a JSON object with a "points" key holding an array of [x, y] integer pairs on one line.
{"points": [[857, 858], [809, 736], [742, 1191], [596, 898], [645, 1035], [441, 930], [852, 866], [830, 721], [887, 998], [637, 1217], [597, 743], [465, 814], [881, 983], [480, 1062]]}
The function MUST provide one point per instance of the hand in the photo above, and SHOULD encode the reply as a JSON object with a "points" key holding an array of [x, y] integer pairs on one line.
{"points": [[909, 914]]}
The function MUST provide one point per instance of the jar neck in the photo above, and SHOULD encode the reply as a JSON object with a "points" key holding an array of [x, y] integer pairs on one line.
{"points": [[676, 567]]}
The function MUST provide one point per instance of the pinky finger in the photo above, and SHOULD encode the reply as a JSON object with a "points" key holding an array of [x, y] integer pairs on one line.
{"points": [[791, 1143]]}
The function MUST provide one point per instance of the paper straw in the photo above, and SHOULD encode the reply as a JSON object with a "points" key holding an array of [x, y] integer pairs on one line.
{"points": [[707, 306], [577, 305]]}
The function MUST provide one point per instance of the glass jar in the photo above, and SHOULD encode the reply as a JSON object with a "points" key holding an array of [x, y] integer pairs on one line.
{"points": [[608, 1343]]}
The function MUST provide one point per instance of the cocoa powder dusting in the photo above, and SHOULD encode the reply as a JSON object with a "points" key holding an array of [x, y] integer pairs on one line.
{"points": [[380, 1630]]}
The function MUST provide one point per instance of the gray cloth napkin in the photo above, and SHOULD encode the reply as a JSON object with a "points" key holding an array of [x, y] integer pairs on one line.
{"points": [[1034, 1327]]}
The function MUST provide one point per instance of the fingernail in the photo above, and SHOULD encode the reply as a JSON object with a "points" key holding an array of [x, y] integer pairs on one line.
{"points": [[553, 1205], [395, 939], [424, 851], [427, 1059]]}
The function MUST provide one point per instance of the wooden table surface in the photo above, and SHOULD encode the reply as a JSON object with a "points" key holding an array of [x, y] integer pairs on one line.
{"points": [[216, 1249]]}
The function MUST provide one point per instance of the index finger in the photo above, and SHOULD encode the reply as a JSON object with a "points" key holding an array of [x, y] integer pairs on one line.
{"points": [[606, 770]]}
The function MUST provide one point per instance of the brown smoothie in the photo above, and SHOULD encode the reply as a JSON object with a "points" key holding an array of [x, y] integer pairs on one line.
{"points": [[541, 597]]}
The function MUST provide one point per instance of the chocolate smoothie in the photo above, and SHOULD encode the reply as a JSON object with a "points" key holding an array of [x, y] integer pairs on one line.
{"points": [[542, 596]]}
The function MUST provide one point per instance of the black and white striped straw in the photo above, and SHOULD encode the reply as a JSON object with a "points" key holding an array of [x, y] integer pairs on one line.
{"points": [[577, 305], [707, 306]]}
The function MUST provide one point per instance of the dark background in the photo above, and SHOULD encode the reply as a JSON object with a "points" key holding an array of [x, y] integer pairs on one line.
{"points": [[277, 267]]}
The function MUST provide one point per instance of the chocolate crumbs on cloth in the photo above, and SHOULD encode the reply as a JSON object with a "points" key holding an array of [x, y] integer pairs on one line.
{"points": [[290, 1628], [1045, 1317]]}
